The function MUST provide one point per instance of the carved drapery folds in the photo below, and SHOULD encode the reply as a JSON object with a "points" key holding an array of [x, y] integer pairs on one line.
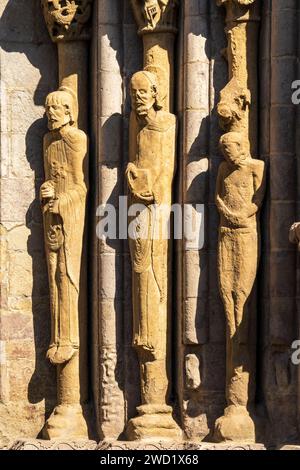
{"points": [[63, 199], [67, 19], [239, 196], [149, 174]]}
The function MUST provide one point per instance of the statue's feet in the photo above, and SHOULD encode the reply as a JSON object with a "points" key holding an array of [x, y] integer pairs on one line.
{"points": [[153, 422], [61, 354], [235, 425], [66, 422], [51, 352]]}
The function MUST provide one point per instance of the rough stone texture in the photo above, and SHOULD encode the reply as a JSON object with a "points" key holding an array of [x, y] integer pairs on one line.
{"points": [[28, 73]]}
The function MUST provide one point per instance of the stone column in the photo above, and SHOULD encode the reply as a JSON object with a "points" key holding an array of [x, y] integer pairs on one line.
{"points": [[68, 26], [192, 254], [109, 274], [150, 173], [279, 147], [239, 195]]}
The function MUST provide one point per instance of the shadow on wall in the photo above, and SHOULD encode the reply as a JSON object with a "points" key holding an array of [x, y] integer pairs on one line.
{"points": [[22, 30], [205, 400]]}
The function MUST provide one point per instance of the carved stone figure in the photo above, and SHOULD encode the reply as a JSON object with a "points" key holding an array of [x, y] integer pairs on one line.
{"points": [[239, 195], [67, 19], [149, 176], [158, 15], [233, 107], [63, 199]]}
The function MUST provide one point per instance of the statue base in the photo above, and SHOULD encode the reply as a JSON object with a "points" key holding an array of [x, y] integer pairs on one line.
{"points": [[153, 422], [236, 425], [66, 422]]}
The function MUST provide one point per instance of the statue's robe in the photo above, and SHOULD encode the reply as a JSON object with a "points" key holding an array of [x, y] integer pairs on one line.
{"points": [[65, 163], [152, 155]]}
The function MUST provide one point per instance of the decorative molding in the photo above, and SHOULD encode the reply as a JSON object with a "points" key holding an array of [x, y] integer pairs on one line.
{"points": [[175, 445], [67, 20], [63, 444]]}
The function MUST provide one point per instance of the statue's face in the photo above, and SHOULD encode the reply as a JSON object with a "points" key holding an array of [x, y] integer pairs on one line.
{"points": [[233, 152], [142, 94], [58, 115]]}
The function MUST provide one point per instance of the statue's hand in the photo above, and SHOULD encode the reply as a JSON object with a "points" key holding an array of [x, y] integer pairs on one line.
{"points": [[47, 191], [53, 206]]}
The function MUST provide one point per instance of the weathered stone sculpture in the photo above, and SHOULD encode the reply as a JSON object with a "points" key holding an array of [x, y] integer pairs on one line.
{"points": [[238, 100], [239, 195], [158, 15], [149, 176], [67, 19], [63, 199]]}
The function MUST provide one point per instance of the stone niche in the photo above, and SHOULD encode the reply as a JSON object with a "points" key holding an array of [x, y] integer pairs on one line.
{"points": [[148, 343]]}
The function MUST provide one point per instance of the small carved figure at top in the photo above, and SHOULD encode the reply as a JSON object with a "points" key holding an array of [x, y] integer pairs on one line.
{"points": [[155, 15], [67, 19], [294, 235], [239, 2]]}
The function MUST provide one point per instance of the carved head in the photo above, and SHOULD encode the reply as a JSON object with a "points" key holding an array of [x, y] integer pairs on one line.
{"points": [[234, 147], [144, 92], [60, 109]]}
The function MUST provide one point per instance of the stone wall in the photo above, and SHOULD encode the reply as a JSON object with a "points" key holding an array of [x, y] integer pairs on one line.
{"points": [[28, 70], [279, 59]]}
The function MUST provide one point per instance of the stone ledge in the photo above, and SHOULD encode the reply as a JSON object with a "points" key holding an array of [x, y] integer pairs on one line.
{"points": [[171, 445], [38, 444]]}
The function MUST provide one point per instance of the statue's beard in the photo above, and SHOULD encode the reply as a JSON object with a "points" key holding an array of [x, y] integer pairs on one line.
{"points": [[56, 124], [142, 109]]}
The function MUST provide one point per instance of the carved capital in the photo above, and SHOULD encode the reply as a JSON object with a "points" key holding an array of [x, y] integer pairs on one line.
{"points": [[240, 10], [155, 15], [67, 20]]}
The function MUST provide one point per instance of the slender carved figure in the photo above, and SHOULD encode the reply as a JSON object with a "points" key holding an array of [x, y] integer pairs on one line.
{"points": [[149, 176], [239, 195], [63, 199]]}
